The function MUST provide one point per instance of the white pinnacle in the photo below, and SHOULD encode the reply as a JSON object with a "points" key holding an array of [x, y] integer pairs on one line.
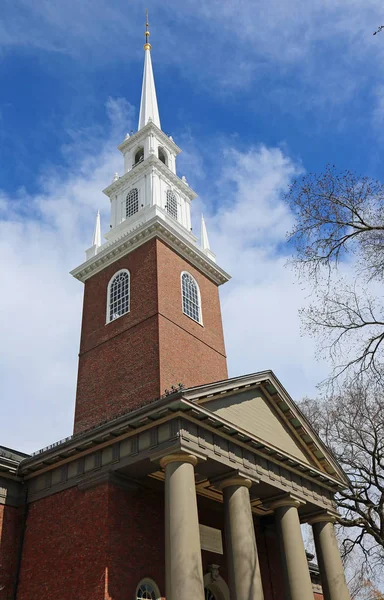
{"points": [[97, 233], [204, 235], [148, 107]]}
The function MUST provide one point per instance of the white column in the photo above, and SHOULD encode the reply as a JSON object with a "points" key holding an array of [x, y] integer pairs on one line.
{"points": [[243, 562], [183, 565], [328, 558], [297, 580]]}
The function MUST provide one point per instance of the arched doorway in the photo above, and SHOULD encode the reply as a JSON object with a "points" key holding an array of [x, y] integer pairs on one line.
{"points": [[208, 595], [215, 587]]}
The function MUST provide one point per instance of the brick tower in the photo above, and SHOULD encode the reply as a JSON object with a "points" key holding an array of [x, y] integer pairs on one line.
{"points": [[151, 314]]}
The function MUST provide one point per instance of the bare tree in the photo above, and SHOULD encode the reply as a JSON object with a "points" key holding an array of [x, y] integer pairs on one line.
{"points": [[352, 425], [338, 238]]}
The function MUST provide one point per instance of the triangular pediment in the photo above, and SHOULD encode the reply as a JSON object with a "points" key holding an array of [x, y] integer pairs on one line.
{"points": [[259, 405], [251, 411]]}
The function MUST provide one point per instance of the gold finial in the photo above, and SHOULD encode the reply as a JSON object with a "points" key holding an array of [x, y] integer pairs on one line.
{"points": [[147, 45]]}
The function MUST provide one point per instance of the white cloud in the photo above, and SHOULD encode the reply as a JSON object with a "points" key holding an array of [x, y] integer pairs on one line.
{"points": [[221, 44], [260, 304], [42, 237]]}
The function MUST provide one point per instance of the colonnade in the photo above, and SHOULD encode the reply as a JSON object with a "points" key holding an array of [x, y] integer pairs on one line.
{"points": [[184, 573]]}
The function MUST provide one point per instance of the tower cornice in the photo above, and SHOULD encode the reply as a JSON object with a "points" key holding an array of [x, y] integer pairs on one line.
{"points": [[151, 161], [154, 228], [140, 135]]}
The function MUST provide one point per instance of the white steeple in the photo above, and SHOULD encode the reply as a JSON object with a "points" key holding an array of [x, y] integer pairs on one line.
{"points": [[148, 106], [205, 241], [148, 199], [97, 233]]}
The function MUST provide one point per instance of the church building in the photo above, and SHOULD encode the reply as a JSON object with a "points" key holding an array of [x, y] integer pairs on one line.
{"points": [[177, 482]]}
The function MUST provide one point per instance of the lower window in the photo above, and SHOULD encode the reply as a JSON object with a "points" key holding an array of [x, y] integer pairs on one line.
{"points": [[147, 590]]}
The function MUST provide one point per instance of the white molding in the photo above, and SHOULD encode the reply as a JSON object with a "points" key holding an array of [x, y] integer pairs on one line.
{"points": [[129, 241], [149, 128], [116, 186]]}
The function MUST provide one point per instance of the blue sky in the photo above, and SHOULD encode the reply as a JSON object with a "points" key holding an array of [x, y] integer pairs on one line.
{"points": [[254, 91]]}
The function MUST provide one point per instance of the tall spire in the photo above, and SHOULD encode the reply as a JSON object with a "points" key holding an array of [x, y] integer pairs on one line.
{"points": [[148, 106]]}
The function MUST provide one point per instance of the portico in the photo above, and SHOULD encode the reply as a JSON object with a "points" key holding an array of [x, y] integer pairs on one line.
{"points": [[185, 447]]}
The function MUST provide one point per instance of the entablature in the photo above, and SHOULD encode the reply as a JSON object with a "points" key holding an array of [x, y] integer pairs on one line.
{"points": [[138, 137], [128, 178], [130, 445], [129, 240]]}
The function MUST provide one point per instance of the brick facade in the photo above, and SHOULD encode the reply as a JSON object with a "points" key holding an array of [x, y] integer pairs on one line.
{"points": [[11, 525], [135, 358], [94, 544], [99, 543]]}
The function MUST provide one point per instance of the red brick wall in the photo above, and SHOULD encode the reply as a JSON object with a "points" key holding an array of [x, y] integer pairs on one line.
{"points": [[170, 267], [189, 353], [94, 545], [65, 547], [136, 541], [136, 357], [118, 362], [11, 522]]}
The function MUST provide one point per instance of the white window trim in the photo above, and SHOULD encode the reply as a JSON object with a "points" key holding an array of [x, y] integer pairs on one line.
{"points": [[200, 321], [176, 198], [133, 189], [108, 320], [147, 580]]}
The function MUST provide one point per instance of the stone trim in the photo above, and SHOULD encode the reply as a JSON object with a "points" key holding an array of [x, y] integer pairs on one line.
{"points": [[236, 482], [175, 432], [322, 517], [286, 500], [143, 133], [96, 463], [130, 240], [180, 458], [151, 161]]}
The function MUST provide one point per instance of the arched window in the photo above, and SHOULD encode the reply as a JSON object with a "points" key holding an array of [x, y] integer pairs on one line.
{"points": [[171, 205], [139, 156], [162, 156], [118, 295], [191, 297], [132, 202], [147, 590]]}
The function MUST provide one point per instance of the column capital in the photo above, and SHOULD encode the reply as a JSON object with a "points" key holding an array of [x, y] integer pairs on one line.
{"points": [[178, 457], [286, 500], [234, 477], [325, 516], [236, 480]]}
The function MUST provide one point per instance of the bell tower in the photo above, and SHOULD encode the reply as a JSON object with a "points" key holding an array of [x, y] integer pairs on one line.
{"points": [[151, 311]]}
